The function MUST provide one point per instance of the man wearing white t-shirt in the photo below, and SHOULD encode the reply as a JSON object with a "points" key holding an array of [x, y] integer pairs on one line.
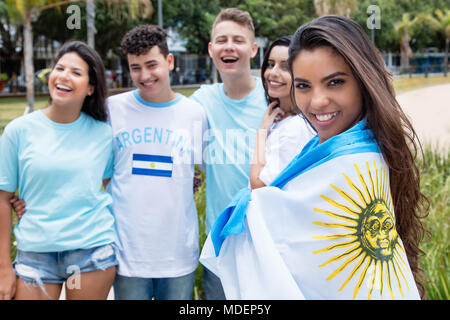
{"points": [[157, 140]]}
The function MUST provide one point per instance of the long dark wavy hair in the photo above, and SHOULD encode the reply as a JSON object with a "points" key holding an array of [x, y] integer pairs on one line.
{"points": [[93, 105], [393, 131]]}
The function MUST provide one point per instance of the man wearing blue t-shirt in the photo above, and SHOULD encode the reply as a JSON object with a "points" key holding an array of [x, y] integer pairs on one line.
{"points": [[234, 110]]}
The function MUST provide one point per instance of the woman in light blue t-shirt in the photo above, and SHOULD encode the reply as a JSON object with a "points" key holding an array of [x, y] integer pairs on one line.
{"points": [[57, 158]]}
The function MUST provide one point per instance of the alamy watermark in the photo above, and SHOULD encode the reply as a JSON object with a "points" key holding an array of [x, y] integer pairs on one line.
{"points": [[374, 20], [74, 20], [74, 281]]}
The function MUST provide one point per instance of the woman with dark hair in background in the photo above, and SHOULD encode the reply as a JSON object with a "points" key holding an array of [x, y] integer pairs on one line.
{"points": [[57, 158], [342, 220], [283, 131]]}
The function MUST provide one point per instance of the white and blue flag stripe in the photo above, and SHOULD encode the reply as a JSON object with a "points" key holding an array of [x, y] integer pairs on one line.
{"points": [[152, 165]]}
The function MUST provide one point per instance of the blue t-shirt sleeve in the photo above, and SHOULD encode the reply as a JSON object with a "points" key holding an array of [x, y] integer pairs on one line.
{"points": [[194, 96], [9, 169], [200, 96], [109, 170], [205, 138]]}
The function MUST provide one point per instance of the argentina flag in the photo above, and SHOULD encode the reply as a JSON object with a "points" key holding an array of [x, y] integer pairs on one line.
{"points": [[152, 165], [324, 229]]}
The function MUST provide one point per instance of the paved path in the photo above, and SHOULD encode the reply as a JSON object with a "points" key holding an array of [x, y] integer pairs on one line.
{"points": [[429, 111]]}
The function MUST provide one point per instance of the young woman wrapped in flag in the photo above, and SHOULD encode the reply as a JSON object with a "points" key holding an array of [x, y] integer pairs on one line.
{"points": [[341, 221]]}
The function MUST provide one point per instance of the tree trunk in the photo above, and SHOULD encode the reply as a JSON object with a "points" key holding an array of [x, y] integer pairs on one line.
{"points": [[447, 40], [29, 66], [214, 73], [404, 56], [320, 7], [405, 50], [348, 11], [90, 23]]}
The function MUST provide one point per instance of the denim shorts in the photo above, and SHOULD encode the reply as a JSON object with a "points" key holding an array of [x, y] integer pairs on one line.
{"points": [[57, 267]]}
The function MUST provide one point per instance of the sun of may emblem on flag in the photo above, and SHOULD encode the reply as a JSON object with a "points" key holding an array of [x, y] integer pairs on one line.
{"points": [[373, 251]]}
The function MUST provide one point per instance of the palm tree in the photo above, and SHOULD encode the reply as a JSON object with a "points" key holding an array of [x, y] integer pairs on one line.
{"points": [[340, 7], [90, 23], [444, 26], [404, 29], [27, 11], [321, 8], [440, 23], [135, 9]]}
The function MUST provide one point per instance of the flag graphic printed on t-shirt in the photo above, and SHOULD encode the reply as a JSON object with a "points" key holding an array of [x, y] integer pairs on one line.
{"points": [[152, 165]]}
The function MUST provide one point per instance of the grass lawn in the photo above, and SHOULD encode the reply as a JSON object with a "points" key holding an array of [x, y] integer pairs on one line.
{"points": [[435, 184], [405, 83], [435, 181]]}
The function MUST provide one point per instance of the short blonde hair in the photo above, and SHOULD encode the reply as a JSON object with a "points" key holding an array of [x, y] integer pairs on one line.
{"points": [[233, 14]]}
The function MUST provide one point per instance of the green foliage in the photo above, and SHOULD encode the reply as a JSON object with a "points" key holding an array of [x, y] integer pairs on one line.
{"points": [[435, 184], [13, 238], [276, 18], [392, 13], [3, 8], [20, 9], [193, 19], [200, 202], [111, 24]]}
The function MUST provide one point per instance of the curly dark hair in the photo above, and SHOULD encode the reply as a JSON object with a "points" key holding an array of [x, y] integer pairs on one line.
{"points": [[143, 38]]}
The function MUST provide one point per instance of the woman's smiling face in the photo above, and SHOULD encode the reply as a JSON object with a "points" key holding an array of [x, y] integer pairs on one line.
{"points": [[326, 91], [277, 75], [68, 82]]}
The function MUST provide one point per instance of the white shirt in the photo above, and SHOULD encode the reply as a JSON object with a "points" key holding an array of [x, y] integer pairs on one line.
{"points": [[152, 185], [285, 140]]}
